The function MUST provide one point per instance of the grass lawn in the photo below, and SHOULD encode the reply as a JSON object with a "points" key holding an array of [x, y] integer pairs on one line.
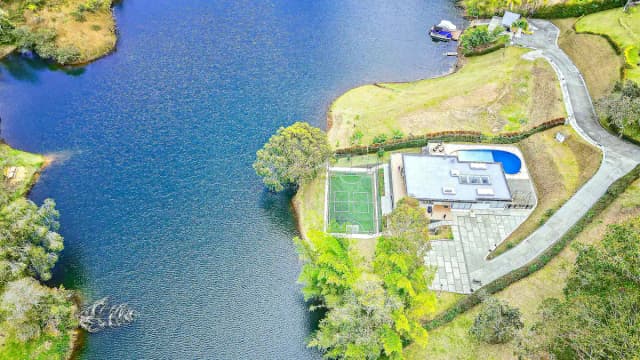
{"points": [[94, 37], [492, 93], [27, 166], [593, 55], [46, 347], [352, 203], [623, 29], [558, 171], [451, 341]]}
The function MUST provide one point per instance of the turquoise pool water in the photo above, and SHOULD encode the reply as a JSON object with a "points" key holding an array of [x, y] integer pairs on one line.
{"points": [[510, 162]]}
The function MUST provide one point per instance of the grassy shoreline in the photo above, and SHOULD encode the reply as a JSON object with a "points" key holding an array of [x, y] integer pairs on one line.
{"points": [[493, 93]]}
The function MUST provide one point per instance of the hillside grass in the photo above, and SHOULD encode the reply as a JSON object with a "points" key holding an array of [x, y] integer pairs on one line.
{"points": [[593, 55], [452, 341], [493, 93], [94, 37], [558, 170], [623, 29]]}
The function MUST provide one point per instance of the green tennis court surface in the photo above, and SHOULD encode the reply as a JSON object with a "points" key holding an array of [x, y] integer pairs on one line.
{"points": [[351, 203]]}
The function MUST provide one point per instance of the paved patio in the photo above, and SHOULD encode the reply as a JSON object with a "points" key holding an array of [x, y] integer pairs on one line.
{"points": [[473, 235]]}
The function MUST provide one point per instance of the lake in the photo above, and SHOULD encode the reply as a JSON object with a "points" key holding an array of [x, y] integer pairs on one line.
{"points": [[154, 145]]}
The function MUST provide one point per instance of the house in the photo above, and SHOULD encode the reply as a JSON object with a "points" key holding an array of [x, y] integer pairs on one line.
{"points": [[444, 180], [509, 18]]}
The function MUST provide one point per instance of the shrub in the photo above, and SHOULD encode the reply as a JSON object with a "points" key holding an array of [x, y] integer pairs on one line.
{"points": [[397, 134], [379, 139], [477, 36], [497, 322]]}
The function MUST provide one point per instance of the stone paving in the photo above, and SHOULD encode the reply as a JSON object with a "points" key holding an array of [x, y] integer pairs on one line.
{"points": [[473, 235]]}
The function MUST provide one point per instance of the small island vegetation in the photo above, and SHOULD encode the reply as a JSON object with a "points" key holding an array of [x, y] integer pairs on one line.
{"points": [[64, 31]]}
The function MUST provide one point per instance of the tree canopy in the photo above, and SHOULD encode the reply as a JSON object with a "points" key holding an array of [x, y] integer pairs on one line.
{"points": [[599, 315], [373, 310], [497, 322], [292, 156], [621, 109]]}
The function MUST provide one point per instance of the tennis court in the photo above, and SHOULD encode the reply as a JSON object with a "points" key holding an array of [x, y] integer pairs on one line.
{"points": [[352, 203]]}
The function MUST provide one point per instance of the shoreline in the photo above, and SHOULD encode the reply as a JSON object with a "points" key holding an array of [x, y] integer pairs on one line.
{"points": [[459, 64]]}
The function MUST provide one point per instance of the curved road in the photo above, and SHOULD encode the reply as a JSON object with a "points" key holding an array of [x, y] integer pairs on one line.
{"points": [[620, 157]]}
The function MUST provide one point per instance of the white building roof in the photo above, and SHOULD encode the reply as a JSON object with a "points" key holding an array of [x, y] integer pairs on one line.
{"points": [[444, 178]]}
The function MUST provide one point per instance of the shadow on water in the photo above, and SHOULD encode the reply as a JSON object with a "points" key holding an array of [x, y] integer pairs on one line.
{"points": [[27, 67]]}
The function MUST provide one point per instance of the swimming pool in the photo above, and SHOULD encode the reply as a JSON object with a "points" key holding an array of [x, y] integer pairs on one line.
{"points": [[510, 162]]}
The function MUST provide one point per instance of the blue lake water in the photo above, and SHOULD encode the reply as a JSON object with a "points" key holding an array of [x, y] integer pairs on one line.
{"points": [[160, 206]]}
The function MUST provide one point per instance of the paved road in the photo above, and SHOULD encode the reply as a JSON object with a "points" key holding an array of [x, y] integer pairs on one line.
{"points": [[620, 157]]}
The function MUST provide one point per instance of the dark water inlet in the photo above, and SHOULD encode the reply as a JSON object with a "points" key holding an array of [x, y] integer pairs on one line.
{"points": [[160, 207]]}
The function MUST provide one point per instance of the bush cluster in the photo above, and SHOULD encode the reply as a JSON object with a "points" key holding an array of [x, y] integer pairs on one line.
{"points": [[576, 9], [42, 41]]}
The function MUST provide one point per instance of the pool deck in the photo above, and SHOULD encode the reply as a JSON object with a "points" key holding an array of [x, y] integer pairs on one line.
{"points": [[451, 149]]}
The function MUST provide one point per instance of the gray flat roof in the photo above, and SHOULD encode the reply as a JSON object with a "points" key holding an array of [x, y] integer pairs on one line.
{"points": [[437, 178]]}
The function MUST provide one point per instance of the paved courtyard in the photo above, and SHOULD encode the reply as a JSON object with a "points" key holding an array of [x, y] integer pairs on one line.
{"points": [[474, 234]]}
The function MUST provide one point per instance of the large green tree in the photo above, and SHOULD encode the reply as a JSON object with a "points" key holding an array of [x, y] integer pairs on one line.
{"points": [[409, 221], [29, 243], [292, 156]]}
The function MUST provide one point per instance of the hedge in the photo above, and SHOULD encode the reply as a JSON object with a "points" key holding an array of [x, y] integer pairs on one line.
{"points": [[468, 302], [449, 136], [576, 9]]}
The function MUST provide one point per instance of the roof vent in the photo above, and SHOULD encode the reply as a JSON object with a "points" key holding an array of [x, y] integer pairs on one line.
{"points": [[478, 166], [448, 190], [485, 191], [455, 172]]}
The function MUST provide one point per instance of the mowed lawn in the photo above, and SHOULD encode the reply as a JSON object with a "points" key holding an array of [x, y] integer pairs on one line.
{"points": [[623, 29], [452, 341], [493, 93], [352, 204]]}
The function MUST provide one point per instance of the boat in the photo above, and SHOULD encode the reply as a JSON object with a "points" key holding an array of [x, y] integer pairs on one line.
{"points": [[444, 31]]}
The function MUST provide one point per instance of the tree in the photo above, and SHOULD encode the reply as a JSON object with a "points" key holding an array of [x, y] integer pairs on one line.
{"points": [[29, 243], [497, 322], [599, 315], [409, 221], [361, 326], [329, 270], [621, 109], [292, 156], [29, 309]]}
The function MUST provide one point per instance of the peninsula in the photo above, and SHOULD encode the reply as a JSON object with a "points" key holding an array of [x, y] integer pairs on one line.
{"points": [[423, 167]]}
